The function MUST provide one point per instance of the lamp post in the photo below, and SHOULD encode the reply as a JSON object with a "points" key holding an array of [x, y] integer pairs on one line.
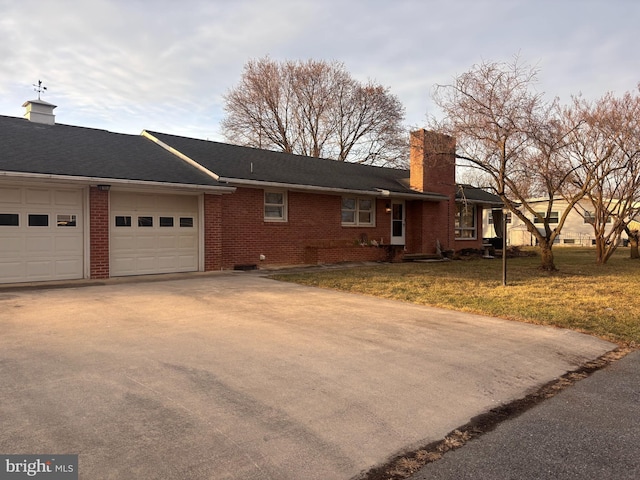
{"points": [[505, 212]]}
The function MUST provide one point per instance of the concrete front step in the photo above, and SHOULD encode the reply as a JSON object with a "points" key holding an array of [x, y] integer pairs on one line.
{"points": [[415, 257]]}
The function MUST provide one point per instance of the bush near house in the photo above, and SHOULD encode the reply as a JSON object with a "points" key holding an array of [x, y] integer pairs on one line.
{"points": [[596, 299]]}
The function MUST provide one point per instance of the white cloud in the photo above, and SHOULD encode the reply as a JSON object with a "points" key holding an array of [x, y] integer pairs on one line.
{"points": [[126, 65]]}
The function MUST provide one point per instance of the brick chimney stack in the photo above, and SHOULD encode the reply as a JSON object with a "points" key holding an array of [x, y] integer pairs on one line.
{"points": [[433, 163]]}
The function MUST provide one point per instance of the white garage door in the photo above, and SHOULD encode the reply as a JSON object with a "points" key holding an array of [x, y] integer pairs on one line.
{"points": [[153, 233], [41, 234]]}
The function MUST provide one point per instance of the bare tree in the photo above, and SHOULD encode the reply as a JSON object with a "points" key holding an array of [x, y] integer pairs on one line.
{"points": [[608, 149], [315, 108], [506, 129]]}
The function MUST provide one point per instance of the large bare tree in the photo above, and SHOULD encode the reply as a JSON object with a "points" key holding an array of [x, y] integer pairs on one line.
{"points": [[506, 129], [608, 149], [315, 108]]}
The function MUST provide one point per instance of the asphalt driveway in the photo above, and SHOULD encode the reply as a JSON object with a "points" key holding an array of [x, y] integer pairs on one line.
{"points": [[235, 376]]}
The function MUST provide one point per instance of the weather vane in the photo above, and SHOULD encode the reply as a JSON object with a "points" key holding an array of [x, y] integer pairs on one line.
{"points": [[39, 88]]}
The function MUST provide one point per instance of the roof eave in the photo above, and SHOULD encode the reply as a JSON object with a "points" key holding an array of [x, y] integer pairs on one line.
{"points": [[479, 202], [114, 181], [377, 192]]}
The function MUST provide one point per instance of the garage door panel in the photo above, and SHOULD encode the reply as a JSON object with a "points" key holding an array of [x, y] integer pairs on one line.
{"points": [[10, 195], [38, 196], [39, 269], [146, 202], [124, 265], [39, 245], [187, 241], [146, 242], [187, 262], [167, 262], [123, 243], [11, 246], [67, 268], [65, 198], [67, 244], [167, 242], [146, 264], [12, 270]]}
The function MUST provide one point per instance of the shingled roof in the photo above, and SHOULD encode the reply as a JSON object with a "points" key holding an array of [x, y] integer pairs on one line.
{"points": [[86, 153], [245, 165], [470, 194], [91, 154]]}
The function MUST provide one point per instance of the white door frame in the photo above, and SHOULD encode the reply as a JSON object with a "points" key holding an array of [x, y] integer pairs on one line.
{"points": [[398, 222]]}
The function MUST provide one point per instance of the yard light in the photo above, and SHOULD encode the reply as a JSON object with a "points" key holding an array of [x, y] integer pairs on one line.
{"points": [[505, 212]]}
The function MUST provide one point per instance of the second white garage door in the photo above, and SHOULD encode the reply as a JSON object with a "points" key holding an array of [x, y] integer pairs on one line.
{"points": [[153, 233]]}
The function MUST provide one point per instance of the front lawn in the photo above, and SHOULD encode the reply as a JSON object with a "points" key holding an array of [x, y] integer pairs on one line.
{"points": [[599, 300]]}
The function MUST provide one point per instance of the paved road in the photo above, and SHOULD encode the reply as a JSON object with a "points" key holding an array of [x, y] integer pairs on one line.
{"points": [[234, 376], [590, 431]]}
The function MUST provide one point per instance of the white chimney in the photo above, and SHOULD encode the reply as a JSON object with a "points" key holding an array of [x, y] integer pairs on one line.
{"points": [[39, 111]]}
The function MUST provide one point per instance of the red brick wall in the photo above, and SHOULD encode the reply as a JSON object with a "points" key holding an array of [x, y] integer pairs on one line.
{"points": [[427, 224], [98, 233], [312, 233], [212, 232]]}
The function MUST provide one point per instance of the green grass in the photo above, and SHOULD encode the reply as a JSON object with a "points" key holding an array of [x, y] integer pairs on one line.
{"points": [[599, 300]]}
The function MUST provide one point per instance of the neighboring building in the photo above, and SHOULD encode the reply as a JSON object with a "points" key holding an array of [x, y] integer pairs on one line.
{"points": [[84, 203], [576, 231]]}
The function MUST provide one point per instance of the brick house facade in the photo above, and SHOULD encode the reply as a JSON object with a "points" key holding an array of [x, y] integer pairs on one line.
{"points": [[157, 203]]}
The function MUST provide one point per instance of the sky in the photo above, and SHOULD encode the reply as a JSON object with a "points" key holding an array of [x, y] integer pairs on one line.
{"points": [[165, 65]]}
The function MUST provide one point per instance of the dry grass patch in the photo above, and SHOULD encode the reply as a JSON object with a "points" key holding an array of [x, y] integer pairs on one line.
{"points": [[582, 296]]}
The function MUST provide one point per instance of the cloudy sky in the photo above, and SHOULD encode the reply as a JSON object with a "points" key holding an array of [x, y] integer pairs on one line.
{"points": [[164, 65]]}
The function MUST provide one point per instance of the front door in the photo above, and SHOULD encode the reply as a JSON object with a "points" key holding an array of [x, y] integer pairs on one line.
{"points": [[397, 222]]}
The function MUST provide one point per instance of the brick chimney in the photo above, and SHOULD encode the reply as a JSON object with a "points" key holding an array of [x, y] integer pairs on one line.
{"points": [[39, 111], [433, 162]]}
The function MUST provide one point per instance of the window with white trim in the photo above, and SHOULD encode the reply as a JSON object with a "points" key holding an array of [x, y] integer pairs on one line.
{"points": [[358, 211], [123, 221], [275, 206], [38, 220], [186, 222], [9, 219], [465, 222], [166, 222], [66, 220]]}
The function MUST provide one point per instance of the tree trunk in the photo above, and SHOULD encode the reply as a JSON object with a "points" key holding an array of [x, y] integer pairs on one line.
{"points": [[634, 239], [600, 251], [633, 244], [547, 258]]}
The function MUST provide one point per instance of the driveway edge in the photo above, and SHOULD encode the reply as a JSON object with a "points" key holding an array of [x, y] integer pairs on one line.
{"points": [[406, 464]]}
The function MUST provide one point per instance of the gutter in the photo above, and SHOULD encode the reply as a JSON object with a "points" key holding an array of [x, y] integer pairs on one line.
{"points": [[113, 181], [479, 202], [378, 192], [414, 196]]}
